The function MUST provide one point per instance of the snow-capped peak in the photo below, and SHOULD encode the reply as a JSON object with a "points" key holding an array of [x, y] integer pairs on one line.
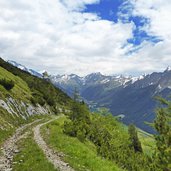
{"points": [[22, 67], [168, 69], [134, 79]]}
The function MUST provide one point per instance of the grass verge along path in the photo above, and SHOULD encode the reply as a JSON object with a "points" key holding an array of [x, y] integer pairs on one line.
{"points": [[31, 157], [49, 153], [81, 156], [9, 147]]}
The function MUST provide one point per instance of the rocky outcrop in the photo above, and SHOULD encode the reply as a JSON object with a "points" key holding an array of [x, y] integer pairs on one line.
{"points": [[20, 110]]}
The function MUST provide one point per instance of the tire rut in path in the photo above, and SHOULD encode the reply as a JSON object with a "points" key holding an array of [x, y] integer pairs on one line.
{"points": [[9, 148], [52, 156]]}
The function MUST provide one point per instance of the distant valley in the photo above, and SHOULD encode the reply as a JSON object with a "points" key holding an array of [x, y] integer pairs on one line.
{"points": [[131, 97], [51, 131]]}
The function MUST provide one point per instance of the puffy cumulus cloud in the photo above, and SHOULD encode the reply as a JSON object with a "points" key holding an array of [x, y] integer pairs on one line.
{"points": [[152, 56], [59, 37], [77, 5], [158, 12], [89, 47]]}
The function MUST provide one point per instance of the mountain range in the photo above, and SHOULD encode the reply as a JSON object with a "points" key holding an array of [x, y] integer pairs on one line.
{"points": [[24, 97], [133, 98], [22, 67], [39, 122]]}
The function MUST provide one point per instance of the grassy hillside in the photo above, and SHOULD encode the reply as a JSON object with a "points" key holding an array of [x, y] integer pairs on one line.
{"points": [[103, 134], [21, 91], [27, 90], [147, 141], [42, 90], [87, 155], [81, 156], [31, 157], [87, 141]]}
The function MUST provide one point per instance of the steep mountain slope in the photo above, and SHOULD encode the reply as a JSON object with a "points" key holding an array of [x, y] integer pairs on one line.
{"points": [[27, 97], [69, 82], [132, 97], [22, 67], [84, 141], [136, 101]]}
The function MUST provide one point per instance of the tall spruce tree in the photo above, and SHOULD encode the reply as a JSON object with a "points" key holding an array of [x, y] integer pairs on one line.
{"points": [[162, 124], [135, 143], [78, 126]]}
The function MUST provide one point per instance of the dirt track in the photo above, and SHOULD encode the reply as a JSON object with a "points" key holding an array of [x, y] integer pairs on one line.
{"points": [[9, 148], [52, 156]]}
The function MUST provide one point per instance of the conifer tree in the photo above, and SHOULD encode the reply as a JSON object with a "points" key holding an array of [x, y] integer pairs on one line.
{"points": [[162, 124], [76, 95], [45, 75], [135, 143], [78, 126]]}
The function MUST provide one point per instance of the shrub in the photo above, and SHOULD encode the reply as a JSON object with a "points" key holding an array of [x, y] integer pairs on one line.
{"points": [[135, 143], [7, 84], [37, 98]]}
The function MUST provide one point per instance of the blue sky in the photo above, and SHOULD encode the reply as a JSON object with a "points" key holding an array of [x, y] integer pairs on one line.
{"points": [[110, 9], [85, 36], [106, 9]]}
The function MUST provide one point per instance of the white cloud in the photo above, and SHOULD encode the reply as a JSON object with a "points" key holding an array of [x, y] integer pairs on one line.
{"points": [[78, 5], [57, 36], [153, 56], [158, 12]]}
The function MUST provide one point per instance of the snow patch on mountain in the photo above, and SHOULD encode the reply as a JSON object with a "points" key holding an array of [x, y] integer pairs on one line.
{"points": [[104, 81], [168, 69], [134, 79], [22, 67]]}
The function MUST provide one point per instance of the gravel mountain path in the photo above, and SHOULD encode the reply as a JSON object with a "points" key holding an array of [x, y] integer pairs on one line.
{"points": [[52, 156], [9, 148]]}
